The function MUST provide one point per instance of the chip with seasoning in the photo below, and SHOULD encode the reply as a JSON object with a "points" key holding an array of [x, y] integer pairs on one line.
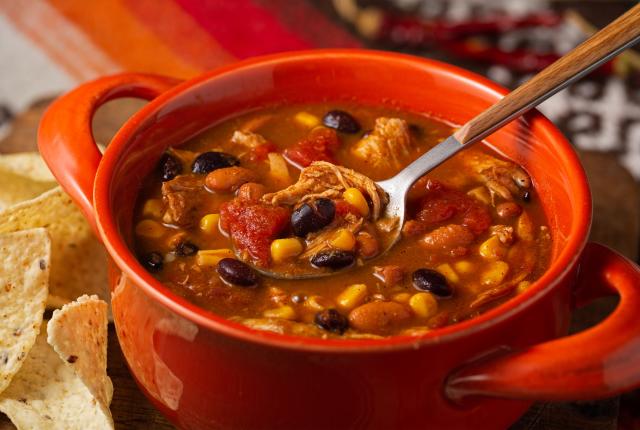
{"points": [[55, 387], [17, 188], [27, 164], [72, 244], [24, 274], [78, 332]]}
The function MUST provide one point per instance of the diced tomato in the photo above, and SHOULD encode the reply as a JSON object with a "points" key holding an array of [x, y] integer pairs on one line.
{"points": [[442, 203], [253, 226], [343, 208], [260, 152], [319, 145]]}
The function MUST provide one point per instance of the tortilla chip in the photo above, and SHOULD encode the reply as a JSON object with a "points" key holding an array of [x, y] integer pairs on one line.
{"points": [[78, 333], [25, 259], [27, 164], [16, 188], [47, 394], [78, 259]]}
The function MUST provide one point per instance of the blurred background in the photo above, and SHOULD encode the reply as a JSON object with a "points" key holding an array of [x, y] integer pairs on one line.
{"points": [[49, 46]]}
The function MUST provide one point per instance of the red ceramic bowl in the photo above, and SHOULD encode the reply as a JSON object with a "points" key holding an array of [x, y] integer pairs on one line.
{"points": [[203, 371]]}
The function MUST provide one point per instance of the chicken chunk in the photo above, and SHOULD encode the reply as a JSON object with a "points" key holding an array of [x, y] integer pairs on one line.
{"points": [[388, 145], [180, 196], [323, 179], [248, 139], [502, 178], [504, 233]]}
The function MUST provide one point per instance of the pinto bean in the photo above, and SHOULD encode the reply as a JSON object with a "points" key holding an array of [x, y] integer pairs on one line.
{"points": [[251, 191], [447, 238], [228, 179], [379, 317], [508, 210]]}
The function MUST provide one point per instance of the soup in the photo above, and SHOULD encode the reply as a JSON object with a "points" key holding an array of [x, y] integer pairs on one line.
{"points": [[292, 189]]}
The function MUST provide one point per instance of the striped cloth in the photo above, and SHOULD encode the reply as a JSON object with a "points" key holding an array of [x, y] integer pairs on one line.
{"points": [[48, 46]]}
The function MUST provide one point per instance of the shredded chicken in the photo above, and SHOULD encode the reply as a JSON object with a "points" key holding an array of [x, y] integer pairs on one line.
{"points": [[323, 179], [391, 275], [504, 233], [502, 178], [387, 145], [248, 139]]}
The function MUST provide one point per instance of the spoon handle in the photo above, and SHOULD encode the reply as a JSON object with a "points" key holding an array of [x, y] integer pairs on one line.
{"points": [[602, 46]]}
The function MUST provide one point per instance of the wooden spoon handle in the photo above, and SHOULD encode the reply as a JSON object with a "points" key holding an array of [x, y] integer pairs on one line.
{"points": [[603, 45]]}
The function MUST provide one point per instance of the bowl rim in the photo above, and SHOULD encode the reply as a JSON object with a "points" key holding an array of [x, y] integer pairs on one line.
{"points": [[123, 257]]}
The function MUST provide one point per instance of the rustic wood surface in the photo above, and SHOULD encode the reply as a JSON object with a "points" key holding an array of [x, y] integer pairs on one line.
{"points": [[616, 224]]}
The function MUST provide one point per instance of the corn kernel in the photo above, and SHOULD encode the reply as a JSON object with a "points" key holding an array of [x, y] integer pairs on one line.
{"points": [[482, 194], [283, 312], [152, 208], [343, 239], [401, 297], [150, 229], [523, 286], [424, 305], [352, 296], [284, 249], [495, 273], [465, 267], [307, 119], [211, 257], [447, 271], [354, 197], [209, 223], [492, 249]]}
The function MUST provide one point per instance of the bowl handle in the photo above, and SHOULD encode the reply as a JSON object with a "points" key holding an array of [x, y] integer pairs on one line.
{"points": [[601, 361], [65, 139]]}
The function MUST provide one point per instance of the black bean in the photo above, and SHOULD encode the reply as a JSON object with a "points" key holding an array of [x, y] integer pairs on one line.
{"points": [[526, 196], [332, 320], [236, 272], [169, 167], [152, 262], [312, 216], [333, 259], [210, 161], [341, 121], [432, 281], [186, 249]]}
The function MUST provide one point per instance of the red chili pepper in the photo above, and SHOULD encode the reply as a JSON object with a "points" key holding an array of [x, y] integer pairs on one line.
{"points": [[411, 31]]}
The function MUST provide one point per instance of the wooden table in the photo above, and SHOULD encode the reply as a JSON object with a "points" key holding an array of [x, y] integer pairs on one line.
{"points": [[616, 223]]}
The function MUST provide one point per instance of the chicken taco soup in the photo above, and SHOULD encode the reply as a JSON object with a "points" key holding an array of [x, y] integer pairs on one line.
{"points": [[292, 188]]}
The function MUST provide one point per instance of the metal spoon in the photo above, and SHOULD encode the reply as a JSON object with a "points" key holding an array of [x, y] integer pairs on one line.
{"points": [[598, 49]]}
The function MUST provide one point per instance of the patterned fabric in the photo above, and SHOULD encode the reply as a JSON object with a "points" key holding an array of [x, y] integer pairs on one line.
{"points": [[49, 46]]}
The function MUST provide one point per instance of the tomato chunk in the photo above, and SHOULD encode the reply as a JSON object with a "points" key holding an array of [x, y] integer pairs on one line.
{"points": [[442, 203], [253, 226], [319, 145]]}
